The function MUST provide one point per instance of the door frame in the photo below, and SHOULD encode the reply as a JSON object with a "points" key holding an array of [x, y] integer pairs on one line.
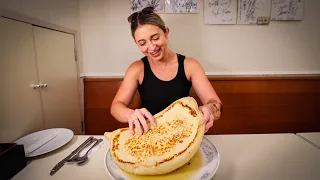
{"points": [[77, 41]]}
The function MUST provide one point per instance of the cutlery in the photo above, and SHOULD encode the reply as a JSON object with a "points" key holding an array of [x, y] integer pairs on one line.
{"points": [[62, 162], [77, 155], [82, 160]]}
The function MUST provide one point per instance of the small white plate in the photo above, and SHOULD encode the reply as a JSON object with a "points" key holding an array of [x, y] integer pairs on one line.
{"points": [[202, 166], [62, 138]]}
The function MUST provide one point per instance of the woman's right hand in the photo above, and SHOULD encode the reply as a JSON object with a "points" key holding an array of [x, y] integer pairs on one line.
{"points": [[139, 119]]}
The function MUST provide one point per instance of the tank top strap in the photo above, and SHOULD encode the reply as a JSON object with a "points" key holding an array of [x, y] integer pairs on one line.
{"points": [[181, 71], [145, 62], [147, 68]]}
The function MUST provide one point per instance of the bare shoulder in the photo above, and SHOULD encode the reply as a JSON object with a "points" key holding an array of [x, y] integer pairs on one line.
{"points": [[192, 67], [135, 69], [190, 62]]}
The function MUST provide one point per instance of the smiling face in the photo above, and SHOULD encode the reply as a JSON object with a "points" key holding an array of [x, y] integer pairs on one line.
{"points": [[152, 41]]}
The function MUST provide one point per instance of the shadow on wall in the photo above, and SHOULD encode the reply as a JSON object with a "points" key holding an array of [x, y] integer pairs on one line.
{"points": [[188, 39]]}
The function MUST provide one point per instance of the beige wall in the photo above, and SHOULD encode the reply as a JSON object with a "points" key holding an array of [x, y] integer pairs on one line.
{"points": [[279, 48], [64, 13], [106, 47]]}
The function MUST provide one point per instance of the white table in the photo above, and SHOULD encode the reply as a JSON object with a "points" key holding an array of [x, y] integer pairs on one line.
{"points": [[266, 157], [258, 157], [311, 137]]}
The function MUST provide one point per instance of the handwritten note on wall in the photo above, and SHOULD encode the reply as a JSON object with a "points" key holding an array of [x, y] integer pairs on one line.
{"points": [[220, 11], [181, 6], [137, 5], [287, 10], [249, 11]]}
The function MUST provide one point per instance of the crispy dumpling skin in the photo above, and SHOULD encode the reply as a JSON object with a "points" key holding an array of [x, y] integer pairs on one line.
{"points": [[164, 148]]}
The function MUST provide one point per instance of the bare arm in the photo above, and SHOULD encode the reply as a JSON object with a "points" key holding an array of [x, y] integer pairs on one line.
{"points": [[119, 107], [137, 119], [203, 88]]}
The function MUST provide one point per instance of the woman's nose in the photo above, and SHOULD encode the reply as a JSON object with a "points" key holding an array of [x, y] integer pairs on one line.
{"points": [[152, 46]]}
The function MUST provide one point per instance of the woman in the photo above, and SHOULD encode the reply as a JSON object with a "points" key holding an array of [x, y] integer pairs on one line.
{"points": [[161, 77]]}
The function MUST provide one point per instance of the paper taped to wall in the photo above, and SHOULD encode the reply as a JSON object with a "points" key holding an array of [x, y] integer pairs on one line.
{"points": [[137, 5], [287, 10], [181, 6], [220, 11], [251, 11]]}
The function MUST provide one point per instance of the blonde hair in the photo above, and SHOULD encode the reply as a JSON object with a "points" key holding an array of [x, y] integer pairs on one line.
{"points": [[142, 19]]}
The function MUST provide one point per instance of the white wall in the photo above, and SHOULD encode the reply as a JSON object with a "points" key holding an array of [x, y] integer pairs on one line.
{"points": [[106, 47], [64, 13], [279, 48]]}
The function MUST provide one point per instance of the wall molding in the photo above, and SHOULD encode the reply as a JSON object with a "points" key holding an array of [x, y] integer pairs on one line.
{"points": [[225, 76], [252, 74]]}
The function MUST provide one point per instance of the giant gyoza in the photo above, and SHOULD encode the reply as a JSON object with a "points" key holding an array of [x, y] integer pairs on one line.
{"points": [[164, 148]]}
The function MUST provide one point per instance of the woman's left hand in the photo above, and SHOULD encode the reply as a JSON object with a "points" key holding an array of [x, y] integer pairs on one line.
{"points": [[207, 118]]}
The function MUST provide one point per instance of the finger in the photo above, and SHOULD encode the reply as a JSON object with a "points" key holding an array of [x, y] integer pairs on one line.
{"points": [[149, 116], [207, 128], [209, 124], [138, 126], [142, 121], [131, 127], [206, 115], [206, 131]]}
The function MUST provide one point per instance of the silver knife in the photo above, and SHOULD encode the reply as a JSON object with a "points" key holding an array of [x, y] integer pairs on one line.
{"points": [[62, 162]]}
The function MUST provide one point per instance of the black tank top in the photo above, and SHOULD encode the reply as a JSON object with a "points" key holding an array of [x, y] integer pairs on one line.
{"points": [[156, 94]]}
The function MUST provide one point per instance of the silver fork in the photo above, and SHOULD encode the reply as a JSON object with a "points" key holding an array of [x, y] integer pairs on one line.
{"points": [[76, 156], [82, 160]]}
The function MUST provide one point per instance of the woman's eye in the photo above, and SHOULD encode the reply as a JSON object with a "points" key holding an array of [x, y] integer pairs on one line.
{"points": [[142, 44], [156, 38]]}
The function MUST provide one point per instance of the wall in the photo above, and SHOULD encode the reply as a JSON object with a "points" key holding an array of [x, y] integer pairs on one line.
{"points": [[106, 47], [58, 12], [273, 104], [279, 48]]}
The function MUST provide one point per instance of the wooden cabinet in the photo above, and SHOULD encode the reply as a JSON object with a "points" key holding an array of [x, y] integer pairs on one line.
{"points": [[39, 80]]}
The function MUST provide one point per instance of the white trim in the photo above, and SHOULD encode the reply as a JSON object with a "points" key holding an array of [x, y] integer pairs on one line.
{"points": [[104, 74], [261, 73], [30, 20]]}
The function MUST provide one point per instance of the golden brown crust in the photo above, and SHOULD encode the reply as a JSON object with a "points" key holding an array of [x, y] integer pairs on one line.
{"points": [[192, 111], [148, 145], [181, 152], [163, 148]]}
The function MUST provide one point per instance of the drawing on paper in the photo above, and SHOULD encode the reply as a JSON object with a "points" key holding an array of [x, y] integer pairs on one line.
{"points": [[137, 5], [287, 10], [220, 11], [181, 6], [250, 11]]}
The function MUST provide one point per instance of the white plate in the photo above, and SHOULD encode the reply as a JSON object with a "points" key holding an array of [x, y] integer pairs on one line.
{"points": [[63, 137], [203, 169]]}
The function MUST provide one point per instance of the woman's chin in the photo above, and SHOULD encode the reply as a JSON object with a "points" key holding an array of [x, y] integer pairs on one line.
{"points": [[158, 56]]}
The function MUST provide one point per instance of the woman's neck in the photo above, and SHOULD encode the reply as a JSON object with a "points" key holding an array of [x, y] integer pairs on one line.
{"points": [[167, 58]]}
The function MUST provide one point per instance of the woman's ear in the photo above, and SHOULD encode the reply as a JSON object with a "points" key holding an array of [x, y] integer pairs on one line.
{"points": [[167, 31]]}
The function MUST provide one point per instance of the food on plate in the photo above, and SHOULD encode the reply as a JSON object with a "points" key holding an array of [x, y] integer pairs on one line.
{"points": [[164, 148]]}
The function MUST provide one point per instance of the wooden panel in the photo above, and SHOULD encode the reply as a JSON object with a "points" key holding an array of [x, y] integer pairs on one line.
{"points": [[251, 105], [99, 121]]}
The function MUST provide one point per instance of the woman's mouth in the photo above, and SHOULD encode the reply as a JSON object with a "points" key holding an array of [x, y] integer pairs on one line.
{"points": [[155, 53]]}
